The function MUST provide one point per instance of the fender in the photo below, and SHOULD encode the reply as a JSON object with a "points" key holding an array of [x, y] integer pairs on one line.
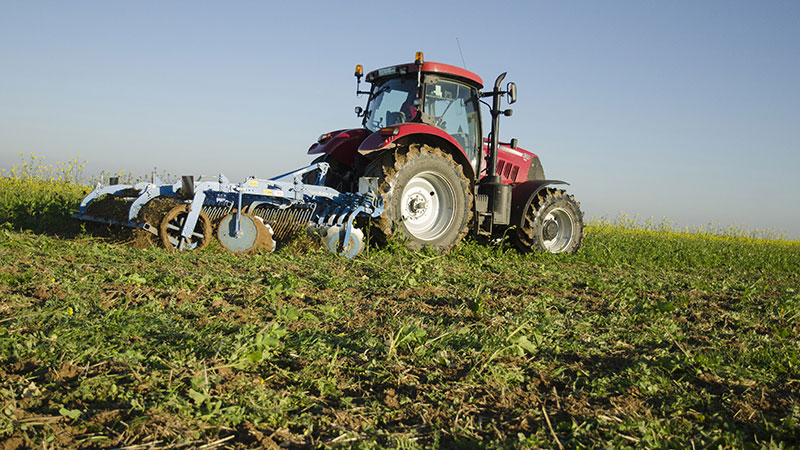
{"points": [[522, 195], [388, 137], [340, 144]]}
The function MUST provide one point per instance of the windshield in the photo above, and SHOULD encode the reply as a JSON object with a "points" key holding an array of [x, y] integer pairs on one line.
{"points": [[391, 102]]}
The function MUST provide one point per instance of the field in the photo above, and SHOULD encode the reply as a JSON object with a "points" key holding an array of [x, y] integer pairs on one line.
{"points": [[645, 338]]}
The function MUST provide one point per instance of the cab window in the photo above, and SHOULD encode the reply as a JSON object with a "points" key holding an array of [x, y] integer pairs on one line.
{"points": [[392, 102], [453, 107]]}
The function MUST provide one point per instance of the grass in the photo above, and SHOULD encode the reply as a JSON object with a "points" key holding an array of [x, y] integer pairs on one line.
{"points": [[645, 338]]}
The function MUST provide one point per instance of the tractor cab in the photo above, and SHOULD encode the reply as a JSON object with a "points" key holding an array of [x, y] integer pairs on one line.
{"points": [[435, 94]]}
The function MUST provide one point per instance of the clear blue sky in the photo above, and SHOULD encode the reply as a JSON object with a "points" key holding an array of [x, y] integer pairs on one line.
{"points": [[683, 109]]}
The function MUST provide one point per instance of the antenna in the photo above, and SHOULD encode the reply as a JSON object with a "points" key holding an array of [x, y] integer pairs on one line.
{"points": [[462, 53]]}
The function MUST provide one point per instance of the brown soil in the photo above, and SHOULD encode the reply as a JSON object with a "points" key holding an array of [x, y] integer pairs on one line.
{"points": [[116, 208], [67, 372], [110, 207]]}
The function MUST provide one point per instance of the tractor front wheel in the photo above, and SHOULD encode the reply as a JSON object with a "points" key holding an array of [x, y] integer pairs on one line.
{"points": [[427, 198], [552, 223]]}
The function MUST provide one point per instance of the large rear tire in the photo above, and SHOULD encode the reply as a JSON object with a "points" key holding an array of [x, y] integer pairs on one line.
{"points": [[427, 198], [552, 223]]}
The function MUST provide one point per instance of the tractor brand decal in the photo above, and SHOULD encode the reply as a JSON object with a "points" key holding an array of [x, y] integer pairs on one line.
{"points": [[253, 183]]}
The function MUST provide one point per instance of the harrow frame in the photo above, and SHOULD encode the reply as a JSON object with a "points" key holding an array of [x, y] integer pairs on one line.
{"points": [[329, 207]]}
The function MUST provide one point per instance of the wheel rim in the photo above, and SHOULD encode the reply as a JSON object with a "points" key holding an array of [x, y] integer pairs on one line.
{"points": [[427, 206], [557, 230]]}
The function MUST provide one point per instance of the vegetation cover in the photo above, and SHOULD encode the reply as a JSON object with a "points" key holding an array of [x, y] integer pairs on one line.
{"points": [[645, 338]]}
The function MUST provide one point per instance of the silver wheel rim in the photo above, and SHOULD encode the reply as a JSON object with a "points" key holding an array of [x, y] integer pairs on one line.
{"points": [[557, 230], [427, 206]]}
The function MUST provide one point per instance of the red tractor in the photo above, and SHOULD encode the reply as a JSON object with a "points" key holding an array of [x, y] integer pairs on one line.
{"points": [[422, 141]]}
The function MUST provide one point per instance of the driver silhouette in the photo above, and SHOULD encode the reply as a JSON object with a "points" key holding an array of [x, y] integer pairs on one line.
{"points": [[409, 108]]}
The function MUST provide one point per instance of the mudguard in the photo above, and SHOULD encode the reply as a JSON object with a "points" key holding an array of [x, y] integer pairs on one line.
{"points": [[340, 144], [523, 194], [419, 132], [381, 139]]}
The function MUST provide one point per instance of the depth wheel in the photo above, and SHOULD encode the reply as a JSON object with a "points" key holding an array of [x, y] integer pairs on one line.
{"points": [[427, 198], [552, 223], [332, 238], [172, 226]]}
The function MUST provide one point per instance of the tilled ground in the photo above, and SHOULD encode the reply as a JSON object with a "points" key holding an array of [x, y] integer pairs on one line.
{"points": [[108, 346]]}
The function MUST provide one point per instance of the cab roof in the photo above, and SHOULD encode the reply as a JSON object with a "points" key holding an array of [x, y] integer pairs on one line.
{"points": [[427, 67]]}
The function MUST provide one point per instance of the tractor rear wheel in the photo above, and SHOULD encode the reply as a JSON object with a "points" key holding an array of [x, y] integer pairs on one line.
{"points": [[427, 198], [552, 223]]}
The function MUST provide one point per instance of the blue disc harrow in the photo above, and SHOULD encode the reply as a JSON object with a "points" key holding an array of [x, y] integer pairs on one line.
{"points": [[243, 216]]}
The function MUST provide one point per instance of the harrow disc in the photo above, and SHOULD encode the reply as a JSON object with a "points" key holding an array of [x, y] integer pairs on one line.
{"points": [[172, 226], [253, 234], [242, 241], [333, 241], [266, 237]]}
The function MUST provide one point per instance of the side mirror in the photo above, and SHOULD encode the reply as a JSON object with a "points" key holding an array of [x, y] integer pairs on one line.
{"points": [[512, 92], [359, 111]]}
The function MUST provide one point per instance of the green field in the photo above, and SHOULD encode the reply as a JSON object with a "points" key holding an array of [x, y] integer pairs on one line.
{"points": [[645, 338]]}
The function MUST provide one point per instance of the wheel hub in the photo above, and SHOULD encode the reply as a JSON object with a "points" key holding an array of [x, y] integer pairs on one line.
{"points": [[550, 230], [417, 205]]}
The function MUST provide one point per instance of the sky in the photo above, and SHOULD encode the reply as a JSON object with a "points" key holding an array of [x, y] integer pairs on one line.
{"points": [[684, 110]]}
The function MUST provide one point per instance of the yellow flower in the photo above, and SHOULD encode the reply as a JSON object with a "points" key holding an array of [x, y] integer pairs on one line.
{"points": [[70, 311]]}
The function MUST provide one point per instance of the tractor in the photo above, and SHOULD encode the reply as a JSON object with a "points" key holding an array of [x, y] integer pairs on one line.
{"points": [[421, 142], [418, 170]]}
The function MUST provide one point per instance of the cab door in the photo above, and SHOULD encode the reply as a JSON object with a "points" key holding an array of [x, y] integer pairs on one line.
{"points": [[453, 107]]}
